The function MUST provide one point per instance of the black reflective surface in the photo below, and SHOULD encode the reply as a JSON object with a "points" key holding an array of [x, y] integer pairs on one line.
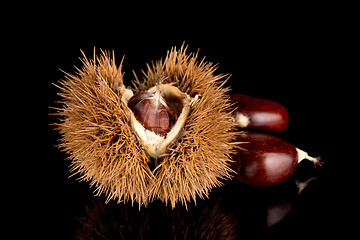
{"points": [[289, 68], [303, 206], [231, 212]]}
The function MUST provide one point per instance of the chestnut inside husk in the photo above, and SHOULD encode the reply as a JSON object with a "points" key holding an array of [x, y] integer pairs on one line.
{"points": [[158, 116], [154, 111]]}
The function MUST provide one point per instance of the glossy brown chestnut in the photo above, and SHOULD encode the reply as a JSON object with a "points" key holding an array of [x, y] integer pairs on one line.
{"points": [[259, 114], [152, 111], [267, 159]]}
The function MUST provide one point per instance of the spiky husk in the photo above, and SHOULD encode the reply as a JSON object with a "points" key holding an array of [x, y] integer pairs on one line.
{"points": [[105, 152]]}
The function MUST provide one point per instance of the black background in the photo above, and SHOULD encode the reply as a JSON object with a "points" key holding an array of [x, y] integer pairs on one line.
{"points": [[292, 58]]}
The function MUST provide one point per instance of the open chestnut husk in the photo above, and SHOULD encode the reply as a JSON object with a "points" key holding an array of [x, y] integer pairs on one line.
{"points": [[266, 159], [168, 135]]}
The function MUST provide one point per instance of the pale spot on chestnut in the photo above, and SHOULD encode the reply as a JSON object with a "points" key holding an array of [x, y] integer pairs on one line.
{"points": [[242, 120]]}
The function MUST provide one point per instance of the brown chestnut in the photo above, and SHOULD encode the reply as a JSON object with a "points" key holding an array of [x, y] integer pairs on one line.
{"points": [[157, 116], [266, 159], [259, 114], [152, 111]]}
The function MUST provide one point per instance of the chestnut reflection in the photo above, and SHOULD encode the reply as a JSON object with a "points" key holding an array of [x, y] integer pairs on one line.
{"points": [[233, 211], [205, 220], [259, 208]]}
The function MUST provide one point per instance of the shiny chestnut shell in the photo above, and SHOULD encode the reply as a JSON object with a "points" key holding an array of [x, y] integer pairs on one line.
{"points": [[158, 119], [261, 114], [267, 159]]}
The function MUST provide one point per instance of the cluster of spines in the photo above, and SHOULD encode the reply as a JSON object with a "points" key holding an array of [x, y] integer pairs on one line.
{"points": [[105, 152]]}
